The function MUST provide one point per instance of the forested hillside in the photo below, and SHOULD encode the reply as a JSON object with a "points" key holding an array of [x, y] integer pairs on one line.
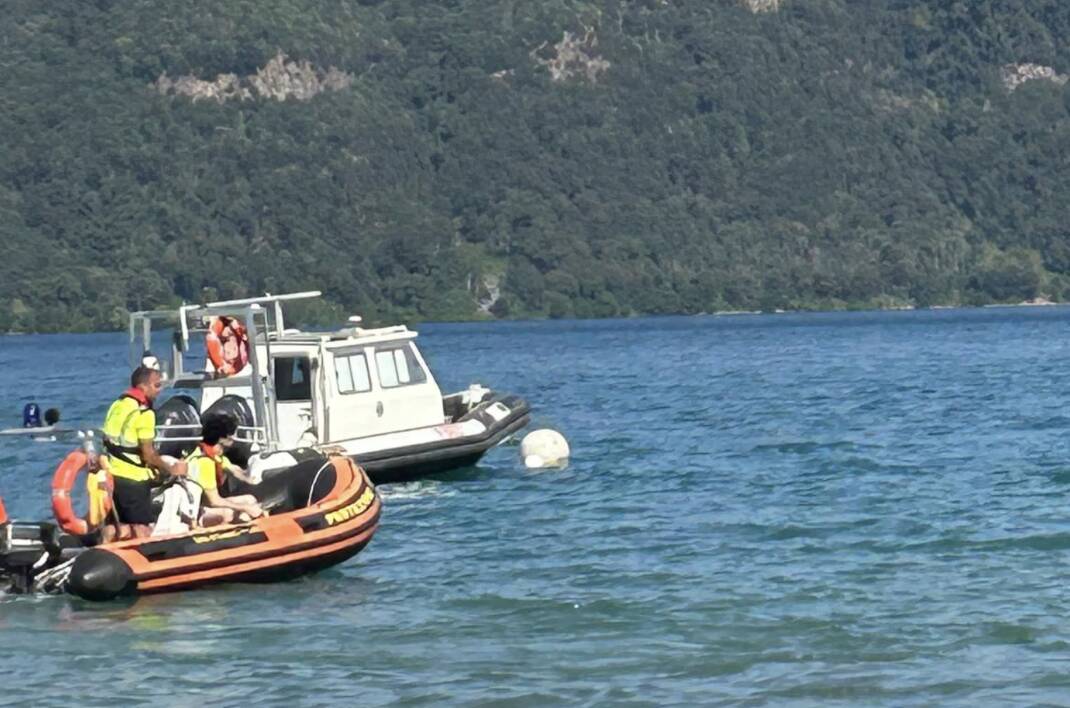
{"points": [[443, 159]]}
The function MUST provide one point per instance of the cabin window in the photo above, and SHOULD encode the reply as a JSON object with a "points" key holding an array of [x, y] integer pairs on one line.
{"points": [[351, 372], [398, 366], [292, 379]]}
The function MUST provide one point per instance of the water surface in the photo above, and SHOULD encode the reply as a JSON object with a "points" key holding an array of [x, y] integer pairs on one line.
{"points": [[847, 509]]}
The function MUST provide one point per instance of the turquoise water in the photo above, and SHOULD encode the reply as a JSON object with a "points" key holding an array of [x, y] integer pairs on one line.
{"points": [[818, 510]]}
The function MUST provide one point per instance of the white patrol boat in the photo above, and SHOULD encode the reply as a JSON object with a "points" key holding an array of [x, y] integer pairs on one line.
{"points": [[365, 392]]}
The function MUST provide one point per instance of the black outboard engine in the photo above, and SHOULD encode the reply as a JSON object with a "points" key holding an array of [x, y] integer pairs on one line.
{"points": [[238, 408], [30, 549], [178, 418]]}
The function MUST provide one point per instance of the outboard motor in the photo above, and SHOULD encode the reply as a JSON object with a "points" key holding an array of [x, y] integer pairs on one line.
{"points": [[238, 408], [178, 418], [29, 551]]}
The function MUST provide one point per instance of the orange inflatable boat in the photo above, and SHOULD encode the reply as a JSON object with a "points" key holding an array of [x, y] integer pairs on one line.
{"points": [[323, 510]]}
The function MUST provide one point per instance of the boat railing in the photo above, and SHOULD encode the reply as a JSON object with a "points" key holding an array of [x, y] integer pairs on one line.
{"points": [[256, 435], [206, 379], [262, 318]]}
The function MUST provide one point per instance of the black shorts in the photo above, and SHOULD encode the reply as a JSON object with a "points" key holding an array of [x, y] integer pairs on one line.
{"points": [[133, 501]]}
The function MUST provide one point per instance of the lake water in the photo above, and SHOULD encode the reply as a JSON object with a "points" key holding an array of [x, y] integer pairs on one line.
{"points": [[818, 509]]}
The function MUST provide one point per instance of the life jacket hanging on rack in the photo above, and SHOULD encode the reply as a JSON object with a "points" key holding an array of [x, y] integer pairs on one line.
{"points": [[228, 345]]}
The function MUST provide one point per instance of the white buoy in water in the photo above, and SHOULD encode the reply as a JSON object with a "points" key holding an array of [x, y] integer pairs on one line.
{"points": [[544, 448]]}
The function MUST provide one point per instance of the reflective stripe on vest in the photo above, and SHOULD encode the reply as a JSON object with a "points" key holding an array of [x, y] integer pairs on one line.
{"points": [[116, 425]]}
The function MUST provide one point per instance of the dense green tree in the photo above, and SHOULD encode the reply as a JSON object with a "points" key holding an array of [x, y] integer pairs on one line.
{"points": [[574, 158]]}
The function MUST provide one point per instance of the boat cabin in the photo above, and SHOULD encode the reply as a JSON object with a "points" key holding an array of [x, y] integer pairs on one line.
{"points": [[302, 388], [364, 392]]}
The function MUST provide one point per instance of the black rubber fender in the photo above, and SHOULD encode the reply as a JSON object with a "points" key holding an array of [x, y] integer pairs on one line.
{"points": [[178, 410], [238, 408], [98, 574]]}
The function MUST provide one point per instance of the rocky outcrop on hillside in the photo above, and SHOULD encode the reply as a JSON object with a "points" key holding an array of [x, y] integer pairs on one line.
{"points": [[762, 5], [489, 293], [1014, 75], [225, 87], [279, 79], [572, 57]]}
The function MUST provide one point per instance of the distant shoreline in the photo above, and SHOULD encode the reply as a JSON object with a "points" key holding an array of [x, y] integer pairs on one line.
{"points": [[1039, 302]]}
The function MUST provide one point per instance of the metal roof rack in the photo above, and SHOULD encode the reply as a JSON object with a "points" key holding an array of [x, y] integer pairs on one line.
{"points": [[263, 321]]}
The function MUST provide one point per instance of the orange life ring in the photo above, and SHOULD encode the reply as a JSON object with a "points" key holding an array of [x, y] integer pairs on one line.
{"points": [[99, 495], [228, 345], [3, 513]]}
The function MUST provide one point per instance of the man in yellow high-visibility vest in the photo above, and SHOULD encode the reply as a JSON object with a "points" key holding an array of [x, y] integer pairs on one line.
{"points": [[129, 440]]}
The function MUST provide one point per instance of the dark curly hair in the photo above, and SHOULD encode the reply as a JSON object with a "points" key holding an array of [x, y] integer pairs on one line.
{"points": [[215, 427]]}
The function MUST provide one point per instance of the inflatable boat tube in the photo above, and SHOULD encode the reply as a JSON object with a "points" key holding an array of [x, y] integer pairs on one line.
{"points": [[322, 512]]}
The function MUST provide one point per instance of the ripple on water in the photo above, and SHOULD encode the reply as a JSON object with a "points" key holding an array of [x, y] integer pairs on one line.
{"points": [[801, 509]]}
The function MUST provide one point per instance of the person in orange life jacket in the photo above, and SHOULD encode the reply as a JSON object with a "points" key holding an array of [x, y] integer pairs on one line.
{"points": [[129, 441], [208, 468]]}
